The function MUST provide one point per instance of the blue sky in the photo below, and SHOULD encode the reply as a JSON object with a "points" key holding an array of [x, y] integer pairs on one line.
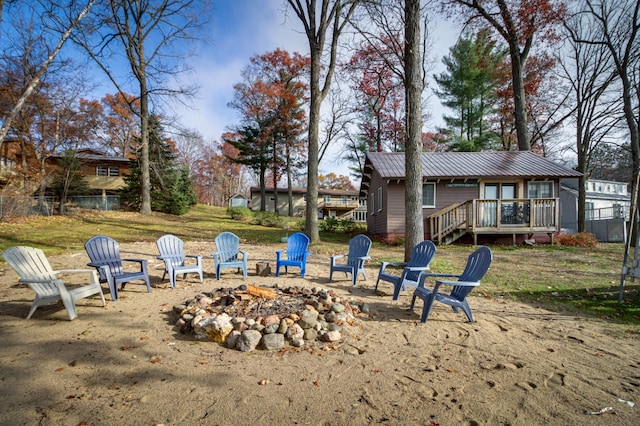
{"points": [[241, 29]]}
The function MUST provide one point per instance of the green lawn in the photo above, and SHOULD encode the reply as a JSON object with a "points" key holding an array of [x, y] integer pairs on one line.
{"points": [[579, 281]]}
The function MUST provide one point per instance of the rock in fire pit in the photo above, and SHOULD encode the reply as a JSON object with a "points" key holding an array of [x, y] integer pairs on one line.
{"points": [[250, 317]]}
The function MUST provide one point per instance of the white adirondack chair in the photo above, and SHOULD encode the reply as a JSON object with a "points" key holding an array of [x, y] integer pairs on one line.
{"points": [[35, 271]]}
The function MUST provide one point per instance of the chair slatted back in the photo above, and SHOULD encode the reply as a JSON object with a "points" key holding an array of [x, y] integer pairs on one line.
{"points": [[297, 245], [421, 256], [103, 250], [477, 266], [228, 246], [31, 265]]}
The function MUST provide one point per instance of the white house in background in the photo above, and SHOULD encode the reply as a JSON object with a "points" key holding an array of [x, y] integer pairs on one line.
{"points": [[239, 200], [607, 207]]}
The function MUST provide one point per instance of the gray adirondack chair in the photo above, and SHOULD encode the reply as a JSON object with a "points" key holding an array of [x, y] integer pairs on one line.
{"points": [[104, 253], [229, 254], [358, 254], [477, 266], [171, 249], [421, 258], [295, 255], [34, 270]]}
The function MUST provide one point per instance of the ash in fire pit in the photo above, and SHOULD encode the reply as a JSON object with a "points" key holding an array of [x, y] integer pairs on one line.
{"points": [[249, 317]]}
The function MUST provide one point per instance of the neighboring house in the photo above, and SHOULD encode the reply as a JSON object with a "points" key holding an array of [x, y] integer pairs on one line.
{"points": [[331, 203], [493, 195], [239, 200], [607, 205]]}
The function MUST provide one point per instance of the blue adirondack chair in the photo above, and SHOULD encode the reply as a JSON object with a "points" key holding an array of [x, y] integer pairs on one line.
{"points": [[359, 247], [477, 266], [229, 254], [421, 257], [295, 255], [104, 253], [171, 250], [35, 271]]}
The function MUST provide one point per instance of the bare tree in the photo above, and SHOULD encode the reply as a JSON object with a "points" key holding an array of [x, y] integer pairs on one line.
{"points": [[73, 15], [591, 74], [617, 24], [319, 20], [150, 35], [517, 22]]}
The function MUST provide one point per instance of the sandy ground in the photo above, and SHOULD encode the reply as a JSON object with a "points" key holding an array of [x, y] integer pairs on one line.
{"points": [[126, 364]]}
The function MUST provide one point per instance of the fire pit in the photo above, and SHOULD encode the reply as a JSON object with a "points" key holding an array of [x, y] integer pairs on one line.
{"points": [[250, 317]]}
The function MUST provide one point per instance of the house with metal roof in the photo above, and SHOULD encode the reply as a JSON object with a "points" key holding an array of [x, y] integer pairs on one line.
{"points": [[489, 195], [336, 203]]}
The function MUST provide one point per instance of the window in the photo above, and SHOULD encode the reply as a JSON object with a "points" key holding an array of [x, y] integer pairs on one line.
{"points": [[540, 189], [372, 204], [429, 195], [5, 162], [380, 199], [107, 171], [327, 199]]}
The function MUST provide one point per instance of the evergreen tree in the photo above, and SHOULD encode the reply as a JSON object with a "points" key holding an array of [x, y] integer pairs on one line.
{"points": [[468, 88], [171, 187]]}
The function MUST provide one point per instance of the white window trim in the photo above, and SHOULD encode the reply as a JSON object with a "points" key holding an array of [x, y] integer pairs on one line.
{"points": [[434, 195], [380, 199], [372, 204], [537, 183]]}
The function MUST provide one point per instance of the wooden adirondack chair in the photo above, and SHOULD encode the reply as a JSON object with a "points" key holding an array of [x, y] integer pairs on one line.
{"points": [[171, 249], [477, 266], [34, 270], [421, 258], [229, 254], [359, 247], [104, 253], [296, 254]]}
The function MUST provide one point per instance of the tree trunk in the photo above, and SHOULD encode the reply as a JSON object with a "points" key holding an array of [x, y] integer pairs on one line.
{"points": [[311, 213], [414, 224], [519, 100]]}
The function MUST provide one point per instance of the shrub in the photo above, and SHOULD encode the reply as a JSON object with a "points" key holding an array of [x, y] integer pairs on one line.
{"points": [[581, 239], [269, 219], [243, 214]]}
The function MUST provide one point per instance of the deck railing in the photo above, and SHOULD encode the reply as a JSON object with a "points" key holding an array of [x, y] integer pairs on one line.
{"points": [[512, 216]]}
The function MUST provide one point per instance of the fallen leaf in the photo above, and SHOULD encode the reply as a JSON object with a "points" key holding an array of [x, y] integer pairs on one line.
{"points": [[59, 369], [317, 383]]}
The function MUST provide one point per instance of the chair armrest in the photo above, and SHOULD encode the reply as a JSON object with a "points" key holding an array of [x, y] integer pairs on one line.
{"points": [[141, 261], [416, 268], [440, 275], [385, 264], [74, 271], [245, 254], [364, 257], [460, 283], [337, 256], [193, 256]]}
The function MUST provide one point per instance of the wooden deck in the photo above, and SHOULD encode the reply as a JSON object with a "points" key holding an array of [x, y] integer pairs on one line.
{"points": [[495, 217]]}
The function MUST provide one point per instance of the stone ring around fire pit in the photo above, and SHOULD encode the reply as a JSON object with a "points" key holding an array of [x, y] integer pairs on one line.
{"points": [[250, 317]]}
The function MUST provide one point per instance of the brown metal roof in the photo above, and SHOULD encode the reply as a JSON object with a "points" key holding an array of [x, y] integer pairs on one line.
{"points": [[467, 165], [472, 165]]}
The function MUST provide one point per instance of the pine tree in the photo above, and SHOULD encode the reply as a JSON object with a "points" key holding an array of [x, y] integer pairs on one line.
{"points": [[468, 88], [171, 187]]}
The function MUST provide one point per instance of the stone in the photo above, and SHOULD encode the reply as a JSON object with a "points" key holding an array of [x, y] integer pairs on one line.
{"points": [[295, 332], [270, 319], [214, 328], [310, 334], [273, 341], [308, 319], [271, 328], [284, 326], [232, 339], [331, 336], [337, 307], [248, 340]]}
